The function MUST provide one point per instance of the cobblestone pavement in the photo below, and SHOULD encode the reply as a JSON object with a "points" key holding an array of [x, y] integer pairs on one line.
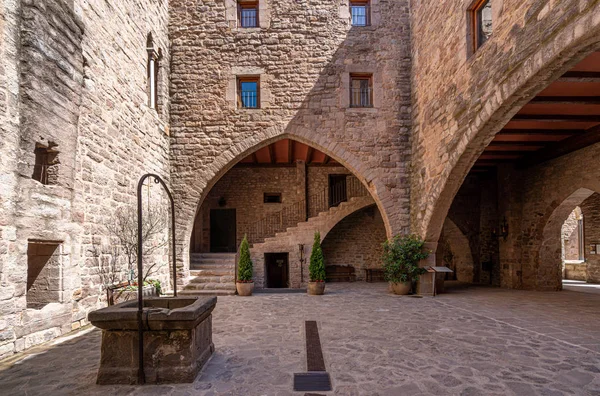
{"points": [[471, 341]]}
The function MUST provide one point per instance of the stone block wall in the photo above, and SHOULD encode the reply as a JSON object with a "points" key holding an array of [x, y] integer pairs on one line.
{"points": [[73, 78], [461, 100], [591, 231], [356, 241], [304, 57], [570, 236]]}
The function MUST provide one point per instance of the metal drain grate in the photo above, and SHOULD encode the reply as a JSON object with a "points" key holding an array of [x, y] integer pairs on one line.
{"points": [[314, 353], [315, 381]]}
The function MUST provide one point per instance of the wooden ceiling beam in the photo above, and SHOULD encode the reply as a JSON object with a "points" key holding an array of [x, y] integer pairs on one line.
{"points": [[272, 153], [326, 159], [580, 76], [309, 154], [566, 100], [551, 132], [558, 149], [290, 151], [504, 143], [557, 117], [254, 158]]}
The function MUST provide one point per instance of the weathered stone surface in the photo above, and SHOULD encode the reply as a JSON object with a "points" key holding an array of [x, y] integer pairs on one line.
{"points": [[177, 340]]}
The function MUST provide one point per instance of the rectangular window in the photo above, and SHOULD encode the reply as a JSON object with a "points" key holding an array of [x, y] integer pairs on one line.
{"points": [[361, 12], [45, 169], [272, 198], [249, 92], [361, 90], [248, 13], [481, 20]]}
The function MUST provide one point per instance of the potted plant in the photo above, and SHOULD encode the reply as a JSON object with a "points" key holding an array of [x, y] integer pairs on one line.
{"points": [[316, 268], [244, 284], [401, 257]]}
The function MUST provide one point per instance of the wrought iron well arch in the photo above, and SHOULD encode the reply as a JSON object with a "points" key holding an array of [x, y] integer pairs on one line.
{"points": [[157, 179]]}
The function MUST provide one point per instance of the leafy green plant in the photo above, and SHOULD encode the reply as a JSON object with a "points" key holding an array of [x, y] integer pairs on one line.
{"points": [[316, 268], [244, 263], [401, 258]]}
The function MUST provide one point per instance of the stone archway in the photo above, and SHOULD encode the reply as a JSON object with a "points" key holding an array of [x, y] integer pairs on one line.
{"points": [[477, 119], [549, 262], [457, 252], [194, 197]]}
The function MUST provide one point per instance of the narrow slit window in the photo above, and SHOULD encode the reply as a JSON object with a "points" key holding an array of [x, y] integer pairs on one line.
{"points": [[482, 22], [154, 57], [361, 90], [249, 92], [272, 198], [248, 13], [361, 12]]}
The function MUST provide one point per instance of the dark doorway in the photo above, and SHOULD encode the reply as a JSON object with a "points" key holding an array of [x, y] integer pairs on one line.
{"points": [[222, 231], [277, 270], [337, 190]]}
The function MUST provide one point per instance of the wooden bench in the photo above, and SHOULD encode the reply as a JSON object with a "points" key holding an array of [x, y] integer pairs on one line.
{"points": [[374, 275], [340, 273]]}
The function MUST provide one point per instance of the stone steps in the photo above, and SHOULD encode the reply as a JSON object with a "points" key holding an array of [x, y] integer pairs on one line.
{"points": [[211, 274]]}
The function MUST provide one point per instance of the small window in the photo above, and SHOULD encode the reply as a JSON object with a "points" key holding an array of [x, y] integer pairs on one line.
{"points": [[248, 13], [45, 169], [482, 22], [249, 92], [43, 274], [152, 69], [272, 198], [361, 12], [361, 90]]}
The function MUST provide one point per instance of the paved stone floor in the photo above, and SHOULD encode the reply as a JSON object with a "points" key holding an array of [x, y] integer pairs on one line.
{"points": [[471, 341]]}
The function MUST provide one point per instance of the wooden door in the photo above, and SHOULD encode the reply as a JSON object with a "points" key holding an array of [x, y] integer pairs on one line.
{"points": [[277, 270], [222, 231]]}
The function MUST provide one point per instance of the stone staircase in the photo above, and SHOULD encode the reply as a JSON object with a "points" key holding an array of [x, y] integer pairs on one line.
{"points": [[211, 274], [323, 223]]}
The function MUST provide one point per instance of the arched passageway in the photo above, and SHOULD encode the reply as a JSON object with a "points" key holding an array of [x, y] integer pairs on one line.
{"points": [[277, 196], [524, 184]]}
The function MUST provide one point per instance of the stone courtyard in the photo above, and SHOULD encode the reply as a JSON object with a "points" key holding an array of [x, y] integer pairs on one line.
{"points": [[470, 341]]}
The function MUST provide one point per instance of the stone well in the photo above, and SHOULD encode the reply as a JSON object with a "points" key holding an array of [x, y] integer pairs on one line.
{"points": [[177, 339]]}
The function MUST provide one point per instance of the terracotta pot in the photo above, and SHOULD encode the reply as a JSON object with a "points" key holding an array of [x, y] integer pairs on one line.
{"points": [[244, 288], [401, 288], [316, 288]]}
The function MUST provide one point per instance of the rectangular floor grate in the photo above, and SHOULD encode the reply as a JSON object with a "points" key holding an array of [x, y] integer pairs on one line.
{"points": [[314, 353], [309, 382]]}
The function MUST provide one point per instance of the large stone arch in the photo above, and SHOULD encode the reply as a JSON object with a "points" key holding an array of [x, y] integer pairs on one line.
{"points": [[549, 258], [193, 195], [460, 249], [505, 93]]}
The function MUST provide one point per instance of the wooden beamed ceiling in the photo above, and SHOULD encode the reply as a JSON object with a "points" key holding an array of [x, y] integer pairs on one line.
{"points": [[562, 118], [286, 152]]}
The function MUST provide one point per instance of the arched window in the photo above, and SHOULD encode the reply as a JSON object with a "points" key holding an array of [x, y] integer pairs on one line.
{"points": [[154, 57]]}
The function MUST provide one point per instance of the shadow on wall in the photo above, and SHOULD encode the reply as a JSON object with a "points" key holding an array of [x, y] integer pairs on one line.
{"points": [[305, 96]]}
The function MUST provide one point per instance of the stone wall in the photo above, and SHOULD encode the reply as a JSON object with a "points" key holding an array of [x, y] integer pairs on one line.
{"points": [[536, 202], [72, 82], [243, 188], [591, 231], [570, 236], [303, 56], [460, 100], [356, 241], [455, 253]]}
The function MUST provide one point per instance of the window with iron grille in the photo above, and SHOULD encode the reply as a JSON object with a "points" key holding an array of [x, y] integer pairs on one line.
{"points": [[361, 12], [248, 13], [361, 90], [249, 92], [272, 198], [481, 20]]}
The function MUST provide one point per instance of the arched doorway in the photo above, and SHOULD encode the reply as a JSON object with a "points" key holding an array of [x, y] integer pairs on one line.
{"points": [[277, 195]]}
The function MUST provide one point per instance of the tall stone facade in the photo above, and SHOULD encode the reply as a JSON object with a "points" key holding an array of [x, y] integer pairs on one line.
{"points": [[73, 83], [303, 53]]}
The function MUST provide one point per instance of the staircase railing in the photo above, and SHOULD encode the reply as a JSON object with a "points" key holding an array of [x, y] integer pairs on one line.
{"points": [[292, 214]]}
